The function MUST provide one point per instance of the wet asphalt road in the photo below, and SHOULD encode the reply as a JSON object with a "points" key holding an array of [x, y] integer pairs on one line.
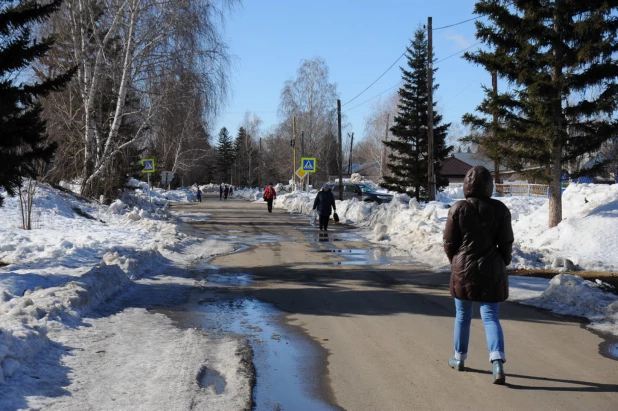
{"points": [[379, 327]]}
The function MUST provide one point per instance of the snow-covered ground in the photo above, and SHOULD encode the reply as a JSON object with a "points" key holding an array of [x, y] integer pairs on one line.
{"points": [[77, 256], [587, 237]]}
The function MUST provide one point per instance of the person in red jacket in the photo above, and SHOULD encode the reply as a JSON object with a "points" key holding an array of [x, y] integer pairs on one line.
{"points": [[269, 196]]}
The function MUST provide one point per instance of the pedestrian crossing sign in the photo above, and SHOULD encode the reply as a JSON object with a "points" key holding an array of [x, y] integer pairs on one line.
{"points": [[148, 164], [308, 164]]}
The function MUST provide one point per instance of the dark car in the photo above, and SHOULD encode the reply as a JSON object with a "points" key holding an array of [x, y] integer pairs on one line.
{"points": [[363, 192]]}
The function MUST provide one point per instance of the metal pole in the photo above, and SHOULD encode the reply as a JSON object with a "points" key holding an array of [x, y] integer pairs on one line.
{"points": [[149, 196], [431, 178], [340, 150], [260, 165], [302, 154]]}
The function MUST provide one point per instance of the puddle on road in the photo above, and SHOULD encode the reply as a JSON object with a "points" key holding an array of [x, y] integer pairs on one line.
{"points": [[211, 378], [367, 256], [613, 350], [287, 364]]}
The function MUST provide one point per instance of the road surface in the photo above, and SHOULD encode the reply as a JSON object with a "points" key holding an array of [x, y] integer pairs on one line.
{"points": [[386, 324]]}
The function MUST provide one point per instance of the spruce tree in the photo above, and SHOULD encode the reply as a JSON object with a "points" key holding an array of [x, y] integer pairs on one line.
{"points": [[226, 154], [408, 160], [559, 59], [22, 130]]}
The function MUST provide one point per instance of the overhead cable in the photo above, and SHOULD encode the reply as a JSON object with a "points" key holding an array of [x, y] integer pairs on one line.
{"points": [[456, 24], [376, 80]]}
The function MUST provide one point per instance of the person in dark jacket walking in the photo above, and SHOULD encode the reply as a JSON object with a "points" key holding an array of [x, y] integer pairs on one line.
{"points": [[478, 241], [226, 191], [324, 201], [199, 195], [220, 192], [270, 195]]}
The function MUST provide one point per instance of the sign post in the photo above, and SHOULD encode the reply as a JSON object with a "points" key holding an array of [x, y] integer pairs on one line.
{"points": [[149, 167], [166, 178]]}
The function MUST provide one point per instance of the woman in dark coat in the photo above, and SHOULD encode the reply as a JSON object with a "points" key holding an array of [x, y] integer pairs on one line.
{"points": [[324, 201], [478, 241]]}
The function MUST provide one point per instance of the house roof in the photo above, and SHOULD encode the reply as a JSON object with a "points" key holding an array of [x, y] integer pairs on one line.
{"points": [[453, 166], [477, 159]]}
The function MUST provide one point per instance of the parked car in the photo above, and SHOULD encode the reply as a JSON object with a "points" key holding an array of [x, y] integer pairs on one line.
{"points": [[363, 192]]}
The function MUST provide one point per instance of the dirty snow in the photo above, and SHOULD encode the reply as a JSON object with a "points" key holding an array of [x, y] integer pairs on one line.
{"points": [[78, 255]]}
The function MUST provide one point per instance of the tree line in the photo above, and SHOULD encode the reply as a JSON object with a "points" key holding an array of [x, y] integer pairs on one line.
{"points": [[134, 77]]}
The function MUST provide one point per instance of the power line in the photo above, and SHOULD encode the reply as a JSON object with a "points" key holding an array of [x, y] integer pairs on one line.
{"points": [[390, 88], [459, 52], [376, 80], [456, 24], [377, 95]]}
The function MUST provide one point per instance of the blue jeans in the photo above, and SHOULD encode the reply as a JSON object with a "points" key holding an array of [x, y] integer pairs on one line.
{"points": [[493, 329]]}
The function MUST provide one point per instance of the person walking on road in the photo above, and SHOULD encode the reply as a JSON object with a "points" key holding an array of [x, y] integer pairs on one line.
{"points": [[270, 195], [226, 191], [199, 195], [324, 202], [231, 190], [220, 192], [478, 241]]}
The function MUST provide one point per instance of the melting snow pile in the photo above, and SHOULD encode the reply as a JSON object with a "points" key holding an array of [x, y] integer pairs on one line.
{"points": [[77, 256]]}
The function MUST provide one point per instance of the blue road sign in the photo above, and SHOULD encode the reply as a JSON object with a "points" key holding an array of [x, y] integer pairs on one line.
{"points": [[148, 164], [308, 164]]}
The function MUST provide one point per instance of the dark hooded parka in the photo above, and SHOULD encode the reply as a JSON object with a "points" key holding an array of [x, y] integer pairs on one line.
{"points": [[478, 241]]}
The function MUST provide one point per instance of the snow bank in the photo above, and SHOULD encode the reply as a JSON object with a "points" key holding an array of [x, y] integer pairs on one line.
{"points": [[79, 254], [572, 295]]}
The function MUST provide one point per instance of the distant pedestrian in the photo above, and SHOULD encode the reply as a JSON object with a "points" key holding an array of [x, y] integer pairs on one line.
{"points": [[226, 191], [231, 190], [199, 195], [270, 195], [478, 241], [220, 192], [324, 203]]}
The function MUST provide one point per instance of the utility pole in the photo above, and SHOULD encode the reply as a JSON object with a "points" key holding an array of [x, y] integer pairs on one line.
{"points": [[340, 150], [260, 165], [350, 157], [494, 84], [294, 148], [383, 159], [431, 178]]}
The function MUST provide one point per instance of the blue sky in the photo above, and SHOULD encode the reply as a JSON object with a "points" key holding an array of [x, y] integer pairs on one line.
{"points": [[358, 40]]}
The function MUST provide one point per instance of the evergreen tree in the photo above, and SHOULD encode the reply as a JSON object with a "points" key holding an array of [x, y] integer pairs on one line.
{"points": [[559, 58], [246, 159], [22, 130], [408, 160], [226, 155]]}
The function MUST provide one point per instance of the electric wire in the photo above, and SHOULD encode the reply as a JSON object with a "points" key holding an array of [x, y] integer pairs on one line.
{"points": [[456, 24], [377, 95], [404, 53], [459, 52], [401, 82], [376, 80]]}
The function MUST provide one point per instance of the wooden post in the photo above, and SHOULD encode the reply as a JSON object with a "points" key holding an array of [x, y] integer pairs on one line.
{"points": [[383, 159], [494, 84], [294, 148], [340, 150], [431, 178], [350, 157]]}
